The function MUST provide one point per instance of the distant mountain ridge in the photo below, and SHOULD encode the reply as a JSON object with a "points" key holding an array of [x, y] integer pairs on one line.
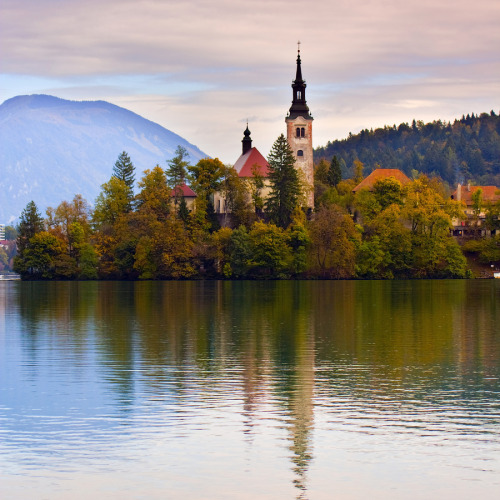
{"points": [[52, 149], [466, 150]]}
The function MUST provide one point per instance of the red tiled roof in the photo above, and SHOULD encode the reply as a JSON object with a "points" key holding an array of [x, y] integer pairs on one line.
{"points": [[490, 193], [245, 163], [187, 192], [382, 173]]}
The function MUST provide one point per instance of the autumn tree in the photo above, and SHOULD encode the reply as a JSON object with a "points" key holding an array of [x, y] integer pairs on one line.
{"points": [[112, 202], [284, 183], [333, 236], [154, 195], [206, 177]]}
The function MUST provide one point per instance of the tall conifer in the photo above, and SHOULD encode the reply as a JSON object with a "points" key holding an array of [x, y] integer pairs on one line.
{"points": [[285, 183]]}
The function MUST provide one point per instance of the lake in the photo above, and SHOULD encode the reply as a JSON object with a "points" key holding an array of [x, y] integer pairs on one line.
{"points": [[245, 390]]}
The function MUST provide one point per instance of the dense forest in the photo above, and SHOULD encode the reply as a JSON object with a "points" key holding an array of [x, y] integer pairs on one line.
{"points": [[465, 150]]}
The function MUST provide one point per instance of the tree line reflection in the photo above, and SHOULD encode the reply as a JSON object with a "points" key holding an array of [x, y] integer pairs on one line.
{"points": [[292, 345]]}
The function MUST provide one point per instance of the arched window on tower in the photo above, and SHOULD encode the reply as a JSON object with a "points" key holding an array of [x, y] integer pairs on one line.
{"points": [[300, 152], [299, 94], [302, 132], [297, 132]]}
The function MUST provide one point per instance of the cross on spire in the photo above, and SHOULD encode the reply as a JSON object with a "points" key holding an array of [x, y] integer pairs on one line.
{"points": [[298, 46]]}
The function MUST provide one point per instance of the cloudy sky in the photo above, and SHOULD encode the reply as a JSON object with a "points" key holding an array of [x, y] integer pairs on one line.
{"points": [[201, 68]]}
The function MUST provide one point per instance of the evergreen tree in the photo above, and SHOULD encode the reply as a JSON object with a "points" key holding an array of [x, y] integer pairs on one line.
{"points": [[334, 175], [284, 181], [178, 165], [124, 170], [177, 171], [30, 224]]}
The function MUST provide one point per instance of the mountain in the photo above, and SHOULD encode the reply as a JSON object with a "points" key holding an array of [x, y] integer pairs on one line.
{"points": [[52, 149], [466, 150]]}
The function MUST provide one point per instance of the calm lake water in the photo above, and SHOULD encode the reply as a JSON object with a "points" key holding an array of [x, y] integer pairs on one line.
{"points": [[245, 390]]}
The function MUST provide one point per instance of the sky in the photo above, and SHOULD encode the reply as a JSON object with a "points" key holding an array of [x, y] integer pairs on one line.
{"points": [[202, 68]]}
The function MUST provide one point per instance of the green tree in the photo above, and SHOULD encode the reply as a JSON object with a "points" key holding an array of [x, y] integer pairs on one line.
{"points": [[388, 191], [124, 170], [177, 172], [334, 172], [284, 183], [271, 255], [30, 223], [299, 241], [10, 233], [240, 253], [45, 258]]}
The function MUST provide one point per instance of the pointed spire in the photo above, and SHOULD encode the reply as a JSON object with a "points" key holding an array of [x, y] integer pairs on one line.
{"points": [[246, 141], [299, 106], [298, 76]]}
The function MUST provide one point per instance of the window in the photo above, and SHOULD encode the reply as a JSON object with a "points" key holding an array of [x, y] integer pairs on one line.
{"points": [[298, 132], [299, 94], [300, 152], [302, 132]]}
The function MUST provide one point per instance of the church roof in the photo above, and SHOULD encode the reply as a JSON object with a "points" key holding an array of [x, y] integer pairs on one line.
{"points": [[187, 192], [379, 174], [246, 161]]}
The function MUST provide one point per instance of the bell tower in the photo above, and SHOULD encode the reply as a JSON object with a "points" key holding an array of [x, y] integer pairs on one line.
{"points": [[299, 131]]}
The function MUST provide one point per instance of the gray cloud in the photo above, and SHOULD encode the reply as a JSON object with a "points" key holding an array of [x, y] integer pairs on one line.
{"points": [[202, 67]]}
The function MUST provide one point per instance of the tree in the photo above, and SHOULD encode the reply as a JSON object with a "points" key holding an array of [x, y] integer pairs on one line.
{"points": [[112, 201], [334, 175], [154, 197], [388, 191], [177, 172], [235, 194], [358, 171], [271, 255], [256, 185], [207, 176], [30, 223], [10, 233], [124, 170], [45, 258], [333, 237], [284, 183]]}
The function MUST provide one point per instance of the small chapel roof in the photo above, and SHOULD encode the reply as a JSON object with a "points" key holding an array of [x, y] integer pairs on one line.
{"points": [[379, 174], [186, 191], [246, 161]]}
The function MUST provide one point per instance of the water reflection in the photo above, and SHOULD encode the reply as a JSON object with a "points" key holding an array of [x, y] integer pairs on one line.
{"points": [[303, 362]]}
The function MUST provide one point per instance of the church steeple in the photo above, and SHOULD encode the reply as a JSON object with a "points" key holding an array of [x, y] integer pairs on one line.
{"points": [[299, 106], [246, 141], [299, 131]]}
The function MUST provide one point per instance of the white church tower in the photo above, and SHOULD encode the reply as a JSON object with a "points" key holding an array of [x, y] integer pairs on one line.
{"points": [[299, 131]]}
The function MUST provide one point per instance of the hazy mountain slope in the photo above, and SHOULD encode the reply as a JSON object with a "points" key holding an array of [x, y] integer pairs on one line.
{"points": [[52, 149]]}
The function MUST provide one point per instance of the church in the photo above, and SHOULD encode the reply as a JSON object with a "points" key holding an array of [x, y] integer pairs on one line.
{"points": [[299, 135]]}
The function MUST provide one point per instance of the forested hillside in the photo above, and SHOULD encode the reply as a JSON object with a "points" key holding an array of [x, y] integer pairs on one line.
{"points": [[465, 150]]}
